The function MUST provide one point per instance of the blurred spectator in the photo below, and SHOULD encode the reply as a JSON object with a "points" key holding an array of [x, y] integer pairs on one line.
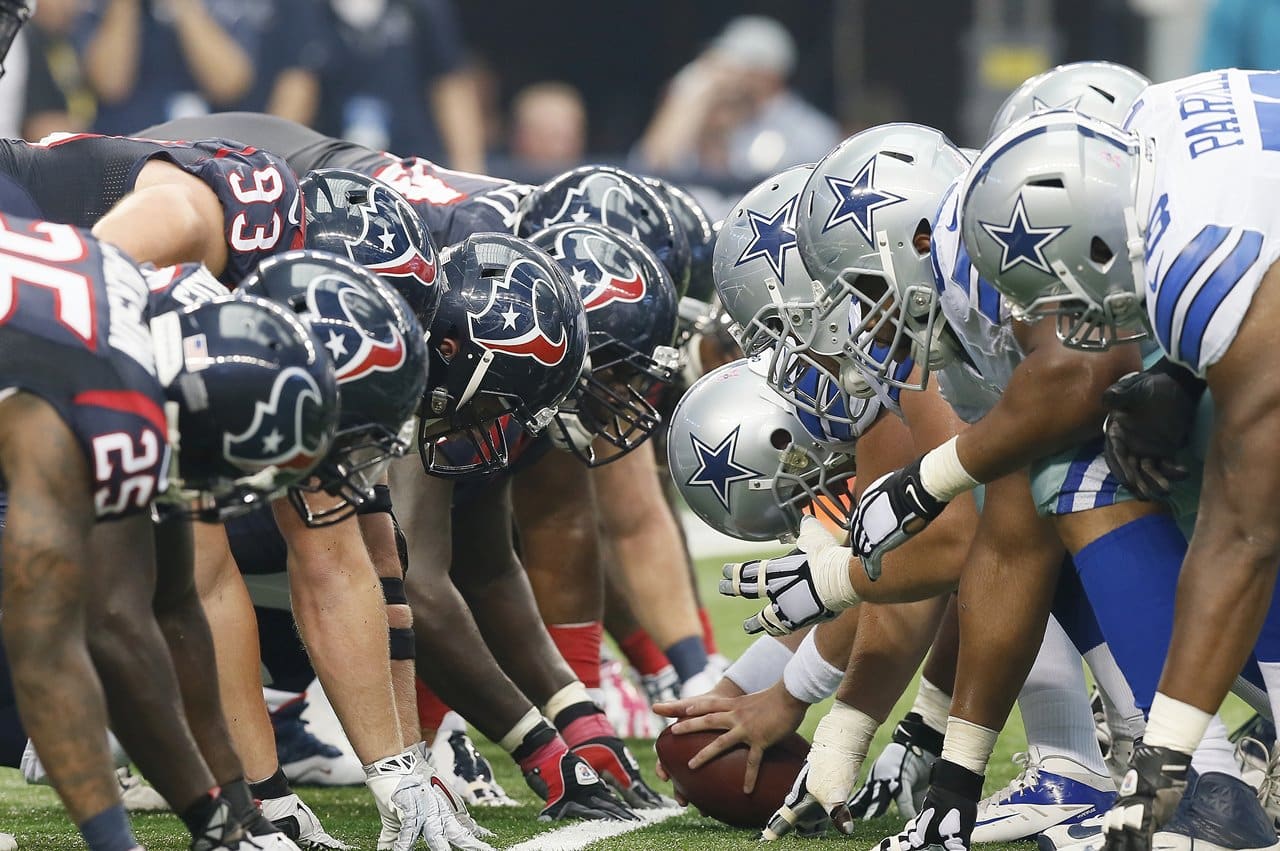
{"points": [[292, 55], [548, 128], [1241, 34], [33, 99], [397, 80], [153, 60], [730, 112], [51, 33]]}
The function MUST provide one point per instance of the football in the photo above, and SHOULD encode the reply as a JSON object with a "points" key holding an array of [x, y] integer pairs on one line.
{"points": [[716, 788]]}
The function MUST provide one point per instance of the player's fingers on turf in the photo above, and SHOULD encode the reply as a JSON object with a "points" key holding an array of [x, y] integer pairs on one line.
{"points": [[724, 742]]}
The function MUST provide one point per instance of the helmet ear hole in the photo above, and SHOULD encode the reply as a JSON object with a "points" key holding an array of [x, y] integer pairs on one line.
{"points": [[920, 240], [780, 439], [1100, 252]]}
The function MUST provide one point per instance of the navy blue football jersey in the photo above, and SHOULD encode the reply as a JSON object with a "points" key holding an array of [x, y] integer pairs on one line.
{"points": [[176, 287], [453, 204], [74, 331], [76, 179]]}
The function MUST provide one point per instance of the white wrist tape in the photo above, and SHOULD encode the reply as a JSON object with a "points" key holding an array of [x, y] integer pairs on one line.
{"points": [[760, 666], [829, 565], [808, 677], [574, 692], [968, 745], [1174, 724], [943, 475], [933, 705], [840, 745], [515, 736]]}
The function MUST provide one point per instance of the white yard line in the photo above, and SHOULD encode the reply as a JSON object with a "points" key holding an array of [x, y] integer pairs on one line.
{"points": [[579, 835]]}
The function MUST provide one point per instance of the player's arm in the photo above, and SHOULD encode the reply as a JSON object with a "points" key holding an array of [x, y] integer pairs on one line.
{"points": [[455, 103], [45, 556], [1053, 401], [170, 217]]}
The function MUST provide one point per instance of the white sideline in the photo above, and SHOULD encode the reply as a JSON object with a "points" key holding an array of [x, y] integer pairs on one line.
{"points": [[579, 835]]}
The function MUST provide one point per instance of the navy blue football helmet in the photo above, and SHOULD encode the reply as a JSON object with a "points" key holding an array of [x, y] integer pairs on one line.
{"points": [[631, 313], [256, 403], [379, 355], [616, 199], [510, 337], [371, 224], [698, 230]]}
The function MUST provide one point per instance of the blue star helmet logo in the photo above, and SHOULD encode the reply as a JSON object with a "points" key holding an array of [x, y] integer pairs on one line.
{"points": [[857, 200], [716, 467], [1020, 242], [772, 236]]}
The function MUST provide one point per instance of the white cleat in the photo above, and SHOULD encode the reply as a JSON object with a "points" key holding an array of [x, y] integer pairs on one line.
{"points": [[7, 842], [137, 796], [1082, 836], [1052, 791], [454, 757], [298, 822]]}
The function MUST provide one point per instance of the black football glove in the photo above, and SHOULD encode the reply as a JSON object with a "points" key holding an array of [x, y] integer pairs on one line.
{"points": [[617, 767], [947, 813], [892, 509], [901, 772], [1149, 795], [572, 789], [1149, 417]]}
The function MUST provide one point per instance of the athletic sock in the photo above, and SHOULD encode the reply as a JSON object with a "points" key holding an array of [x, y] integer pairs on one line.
{"points": [[275, 786], [1215, 752], [688, 656], [579, 644], [1123, 715], [109, 830], [708, 632], [643, 654], [1055, 704]]}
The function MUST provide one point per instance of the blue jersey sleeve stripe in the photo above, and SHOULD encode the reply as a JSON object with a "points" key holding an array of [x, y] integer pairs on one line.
{"points": [[1180, 273], [989, 301], [1206, 302]]}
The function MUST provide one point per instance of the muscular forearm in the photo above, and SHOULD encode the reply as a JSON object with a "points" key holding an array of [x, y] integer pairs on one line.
{"points": [[1053, 401], [220, 66], [379, 537], [113, 54], [891, 642], [342, 619]]}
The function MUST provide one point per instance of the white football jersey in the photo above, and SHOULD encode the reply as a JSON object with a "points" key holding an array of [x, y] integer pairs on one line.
{"points": [[1212, 214], [976, 313]]}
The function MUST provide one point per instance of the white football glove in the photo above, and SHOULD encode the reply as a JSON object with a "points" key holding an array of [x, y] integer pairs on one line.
{"points": [[839, 747], [407, 806], [460, 828], [900, 775], [804, 587], [892, 509]]}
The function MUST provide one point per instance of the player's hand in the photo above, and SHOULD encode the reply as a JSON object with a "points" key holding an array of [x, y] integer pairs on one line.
{"points": [[406, 805], [1148, 797], [757, 720], [572, 789], [801, 813], [616, 766], [1149, 415], [901, 772], [825, 782], [460, 829], [893, 509], [804, 587]]}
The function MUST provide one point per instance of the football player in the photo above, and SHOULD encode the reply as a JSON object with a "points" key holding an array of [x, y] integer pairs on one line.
{"points": [[87, 437], [1183, 201]]}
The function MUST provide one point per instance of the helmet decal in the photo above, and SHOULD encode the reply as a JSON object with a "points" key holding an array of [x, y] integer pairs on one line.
{"points": [[772, 236], [514, 328], [276, 435], [857, 201], [717, 468], [598, 282], [356, 350], [578, 204], [1020, 242]]}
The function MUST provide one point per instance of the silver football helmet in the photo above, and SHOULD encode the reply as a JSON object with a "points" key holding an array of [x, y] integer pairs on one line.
{"points": [[774, 302], [745, 464], [1102, 90], [864, 217], [1048, 215]]}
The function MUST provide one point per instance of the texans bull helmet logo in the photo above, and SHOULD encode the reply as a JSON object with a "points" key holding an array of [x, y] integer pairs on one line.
{"points": [[287, 429], [510, 321], [602, 273], [390, 242], [356, 347]]}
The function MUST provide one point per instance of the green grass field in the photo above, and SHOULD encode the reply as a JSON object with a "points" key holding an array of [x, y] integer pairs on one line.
{"points": [[34, 816]]}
